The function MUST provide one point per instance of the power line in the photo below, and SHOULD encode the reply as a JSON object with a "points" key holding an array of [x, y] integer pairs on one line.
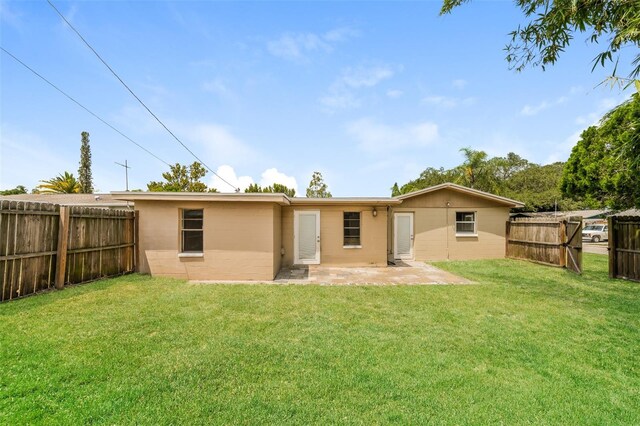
{"points": [[82, 106], [136, 96]]}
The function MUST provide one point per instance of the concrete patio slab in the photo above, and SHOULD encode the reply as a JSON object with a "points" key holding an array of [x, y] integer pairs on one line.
{"points": [[402, 273], [406, 272]]}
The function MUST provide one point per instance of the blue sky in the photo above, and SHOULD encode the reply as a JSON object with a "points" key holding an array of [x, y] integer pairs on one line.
{"points": [[368, 93]]}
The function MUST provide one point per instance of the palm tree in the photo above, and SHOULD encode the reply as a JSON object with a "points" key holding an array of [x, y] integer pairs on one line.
{"points": [[476, 170], [62, 184]]}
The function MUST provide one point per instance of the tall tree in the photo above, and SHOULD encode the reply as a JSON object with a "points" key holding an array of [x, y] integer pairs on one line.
{"points": [[62, 184], [395, 190], [477, 171], [553, 25], [84, 171], [182, 179], [538, 187], [430, 177], [317, 187], [275, 188], [604, 166], [281, 189], [253, 187], [20, 189]]}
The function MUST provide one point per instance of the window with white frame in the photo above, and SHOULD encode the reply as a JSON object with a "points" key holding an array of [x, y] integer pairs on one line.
{"points": [[466, 223], [351, 229], [192, 231]]}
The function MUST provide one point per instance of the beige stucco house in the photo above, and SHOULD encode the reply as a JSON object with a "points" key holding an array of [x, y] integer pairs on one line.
{"points": [[211, 236]]}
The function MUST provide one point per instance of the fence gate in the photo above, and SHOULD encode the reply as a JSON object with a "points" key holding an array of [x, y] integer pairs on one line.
{"points": [[551, 241], [573, 231]]}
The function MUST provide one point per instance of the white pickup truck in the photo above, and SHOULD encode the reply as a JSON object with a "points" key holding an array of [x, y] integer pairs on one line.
{"points": [[595, 233]]}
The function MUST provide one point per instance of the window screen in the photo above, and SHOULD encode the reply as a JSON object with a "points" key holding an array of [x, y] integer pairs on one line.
{"points": [[465, 222], [192, 234], [351, 228]]}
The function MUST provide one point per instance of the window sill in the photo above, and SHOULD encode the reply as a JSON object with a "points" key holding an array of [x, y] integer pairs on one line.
{"points": [[467, 235], [351, 247], [190, 254]]}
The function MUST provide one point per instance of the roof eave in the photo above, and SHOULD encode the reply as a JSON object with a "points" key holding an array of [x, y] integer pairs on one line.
{"points": [[503, 200], [345, 201], [276, 198]]}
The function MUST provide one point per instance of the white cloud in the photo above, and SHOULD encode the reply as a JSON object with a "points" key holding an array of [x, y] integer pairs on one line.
{"points": [[297, 46], [379, 138], [424, 133], [608, 103], [219, 88], [341, 34], [529, 110], [342, 93], [575, 90], [268, 178], [459, 83], [448, 102], [394, 94], [220, 144], [604, 105], [365, 76], [340, 100], [227, 173], [10, 16], [271, 176]]}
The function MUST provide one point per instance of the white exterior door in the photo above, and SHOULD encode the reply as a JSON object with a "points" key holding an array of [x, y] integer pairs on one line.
{"points": [[306, 237], [403, 236]]}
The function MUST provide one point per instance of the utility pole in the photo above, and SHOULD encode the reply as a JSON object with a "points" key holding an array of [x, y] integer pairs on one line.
{"points": [[126, 172]]}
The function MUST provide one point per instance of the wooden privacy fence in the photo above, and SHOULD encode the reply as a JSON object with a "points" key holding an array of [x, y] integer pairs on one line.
{"points": [[624, 247], [556, 242], [44, 245]]}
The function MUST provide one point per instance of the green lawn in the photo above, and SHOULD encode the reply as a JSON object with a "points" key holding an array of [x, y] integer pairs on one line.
{"points": [[528, 345]]}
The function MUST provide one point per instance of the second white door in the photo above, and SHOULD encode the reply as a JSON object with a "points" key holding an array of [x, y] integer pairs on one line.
{"points": [[403, 236], [306, 237]]}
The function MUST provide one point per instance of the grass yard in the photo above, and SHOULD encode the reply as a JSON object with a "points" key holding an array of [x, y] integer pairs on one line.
{"points": [[529, 345]]}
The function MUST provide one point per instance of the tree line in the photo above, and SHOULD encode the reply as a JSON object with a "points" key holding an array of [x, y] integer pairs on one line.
{"points": [[538, 186], [603, 169]]}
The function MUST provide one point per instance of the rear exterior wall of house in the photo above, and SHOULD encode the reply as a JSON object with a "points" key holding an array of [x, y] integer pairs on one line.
{"points": [[241, 241], [435, 236], [373, 234]]}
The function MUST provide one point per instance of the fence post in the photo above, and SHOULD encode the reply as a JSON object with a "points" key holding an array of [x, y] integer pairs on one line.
{"points": [[613, 261], [136, 240], [63, 242], [563, 243], [506, 239]]}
